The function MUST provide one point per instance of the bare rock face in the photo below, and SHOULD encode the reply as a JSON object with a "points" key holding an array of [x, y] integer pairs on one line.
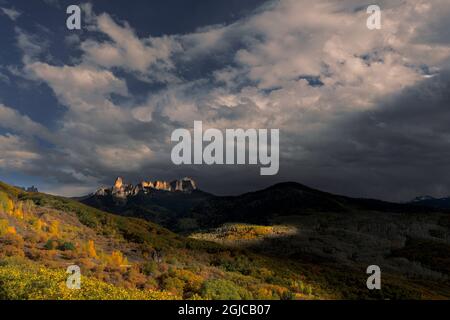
{"points": [[122, 191], [101, 192], [32, 189], [162, 185], [183, 185], [147, 184], [119, 183]]}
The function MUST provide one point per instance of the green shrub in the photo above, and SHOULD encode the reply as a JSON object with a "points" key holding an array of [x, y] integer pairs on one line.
{"points": [[53, 244], [221, 289], [149, 268], [50, 244], [173, 284], [66, 246]]}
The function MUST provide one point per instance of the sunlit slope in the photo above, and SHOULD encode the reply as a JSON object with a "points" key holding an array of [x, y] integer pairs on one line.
{"points": [[126, 258], [129, 258]]}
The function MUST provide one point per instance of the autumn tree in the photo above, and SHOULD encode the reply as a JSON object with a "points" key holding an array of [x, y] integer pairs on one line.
{"points": [[29, 206], [6, 204], [54, 228], [92, 253], [117, 259], [6, 229], [37, 225], [18, 210]]}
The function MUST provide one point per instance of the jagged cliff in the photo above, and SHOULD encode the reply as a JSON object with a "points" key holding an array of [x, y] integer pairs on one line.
{"points": [[123, 190]]}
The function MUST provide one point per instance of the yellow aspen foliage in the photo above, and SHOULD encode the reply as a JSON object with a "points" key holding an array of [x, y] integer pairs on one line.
{"points": [[18, 210], [92, 253], [11, 230], [54, 228], [32, 283], [9, 207], [6, 229], [264, 294], [6, 204], [37, 225], [117, 259], [3, 227], [28, 207]]}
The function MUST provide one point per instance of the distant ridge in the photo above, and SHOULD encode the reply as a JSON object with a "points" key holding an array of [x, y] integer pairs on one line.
{"points": [[431, 202], [179, 203], [290, 199], [123, 190]]}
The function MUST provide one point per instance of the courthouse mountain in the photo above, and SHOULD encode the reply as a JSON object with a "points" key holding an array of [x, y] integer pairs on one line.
{"points": [[122, 190], [159, 201]]}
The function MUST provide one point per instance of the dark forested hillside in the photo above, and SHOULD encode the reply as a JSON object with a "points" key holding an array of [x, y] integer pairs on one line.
{"points": [[319, 251]]}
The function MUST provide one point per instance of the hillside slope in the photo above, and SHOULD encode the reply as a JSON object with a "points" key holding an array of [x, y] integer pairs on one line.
{"points": [[127, 258], [161, 207], [189, 212], [289, 199], [430, 202]]}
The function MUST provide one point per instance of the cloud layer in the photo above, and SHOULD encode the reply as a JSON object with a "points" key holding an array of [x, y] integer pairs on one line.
{"points": [[360, 112]]}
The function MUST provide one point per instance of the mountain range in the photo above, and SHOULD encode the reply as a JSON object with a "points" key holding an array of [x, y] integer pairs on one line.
{"points": [[428, 201], [180, 206], [122, 190], [159, 240], [162, 202]]}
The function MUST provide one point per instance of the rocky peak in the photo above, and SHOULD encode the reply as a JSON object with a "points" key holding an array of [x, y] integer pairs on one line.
{"points": [[147, 184], [184, 185], [123, 190], [162, 185], [119, 183]]}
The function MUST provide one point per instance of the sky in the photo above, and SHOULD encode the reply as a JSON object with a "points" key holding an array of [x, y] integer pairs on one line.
{"points": [[361, 112]]}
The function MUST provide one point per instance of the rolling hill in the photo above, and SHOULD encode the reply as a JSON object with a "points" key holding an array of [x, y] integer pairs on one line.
{"points": [[292, 222], [126, 258], [320, 251], [431, 202], [181, 212]]}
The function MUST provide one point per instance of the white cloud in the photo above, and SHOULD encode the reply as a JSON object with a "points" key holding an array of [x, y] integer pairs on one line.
{"points": [[11, 13], [4, 78], [134, 156], [31, 45], [72, 40], [13, 120], [127, 51], [264, 79], [80, 87], [16, 153], [292, 39]]}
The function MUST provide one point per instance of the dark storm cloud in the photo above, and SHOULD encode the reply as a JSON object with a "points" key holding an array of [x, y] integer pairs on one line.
{"points": [[397, 151], [360, 112]]}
